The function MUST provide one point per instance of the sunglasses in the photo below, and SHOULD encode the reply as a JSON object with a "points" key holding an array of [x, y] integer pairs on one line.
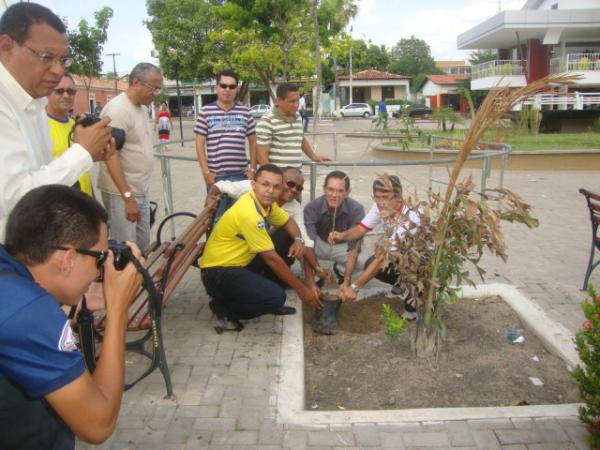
{"points": [[99, 255], [69, 91], [228, 86], [292, 184]]}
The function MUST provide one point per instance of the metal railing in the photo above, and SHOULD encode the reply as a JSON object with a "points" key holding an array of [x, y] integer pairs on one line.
{"points": [[575, 62], [498, 68], [494, 150]]}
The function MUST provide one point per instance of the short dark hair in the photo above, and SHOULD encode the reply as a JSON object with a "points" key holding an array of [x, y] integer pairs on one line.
{"points": [[339, 175], [287, 168], [140, 71], [50, 216], [18, 18], [284, 88], [228, 73], [388, 183], [69, 76], [268, 168]]}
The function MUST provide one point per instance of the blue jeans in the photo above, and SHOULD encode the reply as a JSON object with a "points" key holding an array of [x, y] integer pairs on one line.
{"points": [[121, 229], [226, 200], [239, 293]]}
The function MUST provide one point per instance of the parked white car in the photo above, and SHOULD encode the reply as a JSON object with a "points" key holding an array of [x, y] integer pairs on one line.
{"points": [[356, 110], [257, 111]]}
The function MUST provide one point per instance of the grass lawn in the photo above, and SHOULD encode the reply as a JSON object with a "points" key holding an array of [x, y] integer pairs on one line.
{"points": [[563, 141]]}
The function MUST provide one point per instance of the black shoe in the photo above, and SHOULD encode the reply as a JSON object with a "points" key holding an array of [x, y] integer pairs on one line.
{"points": [[284, 311], [220, 322], [338, 274]]}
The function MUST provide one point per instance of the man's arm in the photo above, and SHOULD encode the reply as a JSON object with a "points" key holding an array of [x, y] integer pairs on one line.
{"points": [[308, 151], [253, 148], [90, 404], [348, 294], [283, 272], [132, 209], [351, 234], [264, 137], [297, 248], [351, 258], [209, 177]]}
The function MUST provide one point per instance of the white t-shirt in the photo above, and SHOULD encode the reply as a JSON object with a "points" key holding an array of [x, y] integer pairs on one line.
{"points": [[373, 218], [302, 104]]}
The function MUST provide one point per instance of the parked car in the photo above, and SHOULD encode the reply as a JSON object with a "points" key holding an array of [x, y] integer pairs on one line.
{"points": [[356, 110], [414, 110], [257, 111]]}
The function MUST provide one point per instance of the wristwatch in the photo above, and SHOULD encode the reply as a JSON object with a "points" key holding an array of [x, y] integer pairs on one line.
{"points": [[127, 194], [299, 238], [354, 287]]}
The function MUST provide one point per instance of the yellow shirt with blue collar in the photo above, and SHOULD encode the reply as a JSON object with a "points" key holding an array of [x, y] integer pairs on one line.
{"points": [[241, 233]]}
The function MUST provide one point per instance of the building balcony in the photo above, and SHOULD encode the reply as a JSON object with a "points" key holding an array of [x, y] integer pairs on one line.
{"points": [[586, 65], [498, 73]]}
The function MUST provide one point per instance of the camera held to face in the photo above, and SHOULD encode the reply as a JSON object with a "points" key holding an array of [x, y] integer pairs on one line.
{"points": [[117, 133], [122, 254]]}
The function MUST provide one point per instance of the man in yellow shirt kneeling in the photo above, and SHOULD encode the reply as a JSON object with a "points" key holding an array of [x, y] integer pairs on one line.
{"points": [[60, 104], [241, 234]]}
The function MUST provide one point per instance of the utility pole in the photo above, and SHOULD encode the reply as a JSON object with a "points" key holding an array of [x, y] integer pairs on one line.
{"points": [[350, 64], [115, 70]]}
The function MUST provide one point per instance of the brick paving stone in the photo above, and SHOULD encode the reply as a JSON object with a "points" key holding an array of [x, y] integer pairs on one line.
{"points": [[197, 411], [433, 426], [485, 439], [251, 417], [425, 439], [391, 440], [330, 438], [145, 436], [406, 427], [234, 437], [215, 424], [525, 436], [366, 435], [579, 436], [556, 445], [213, 395], [270, 432], [523, 422], [490, 424], [295, 439], [514, 447], [179, 431]]}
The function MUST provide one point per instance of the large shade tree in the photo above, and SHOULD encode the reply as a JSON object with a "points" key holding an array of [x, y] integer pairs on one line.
{"points": [[412, 57]]}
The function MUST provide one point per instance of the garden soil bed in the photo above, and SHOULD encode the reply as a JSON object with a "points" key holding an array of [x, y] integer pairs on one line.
{"points": [[360, 368]]}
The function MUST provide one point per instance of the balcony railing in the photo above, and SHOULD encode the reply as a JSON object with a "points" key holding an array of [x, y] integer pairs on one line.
{"points": [[576, 62], [498, 68]]}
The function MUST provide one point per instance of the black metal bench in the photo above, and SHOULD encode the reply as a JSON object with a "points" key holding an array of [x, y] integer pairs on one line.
{"points": [[593, 203]]}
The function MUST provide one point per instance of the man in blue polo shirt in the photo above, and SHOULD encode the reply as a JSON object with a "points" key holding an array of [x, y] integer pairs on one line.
{"points": [[56, 245], [222, 128]]}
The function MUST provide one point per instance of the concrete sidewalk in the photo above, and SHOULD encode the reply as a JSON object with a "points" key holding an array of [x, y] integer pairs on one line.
{"points": [[226, 385]]}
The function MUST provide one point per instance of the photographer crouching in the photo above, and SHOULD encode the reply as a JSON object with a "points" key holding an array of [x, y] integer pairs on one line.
{"points": [[56, 245]]}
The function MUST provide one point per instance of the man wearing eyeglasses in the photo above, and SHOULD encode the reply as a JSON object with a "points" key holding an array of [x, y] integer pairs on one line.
{"points": [[56, 245], [222, 128], [33, 55], [125, 178], [60, 103], [293, 185]]}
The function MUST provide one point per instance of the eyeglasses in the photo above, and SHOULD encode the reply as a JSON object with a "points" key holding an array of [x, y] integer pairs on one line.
{"points": [[49, 58], [99, 255], [228, 86], [292, 184], [155, 89], [69, 91]]}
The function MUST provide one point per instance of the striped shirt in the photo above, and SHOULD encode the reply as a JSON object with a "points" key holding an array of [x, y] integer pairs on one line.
{"points": [[283, 136], [226, 133]]}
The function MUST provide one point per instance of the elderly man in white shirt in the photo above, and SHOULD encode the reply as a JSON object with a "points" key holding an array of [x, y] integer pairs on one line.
{"points": [[33, 55], [293, 184]]}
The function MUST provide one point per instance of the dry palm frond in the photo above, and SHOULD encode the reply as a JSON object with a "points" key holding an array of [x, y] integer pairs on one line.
{"points": [[497, 104]]}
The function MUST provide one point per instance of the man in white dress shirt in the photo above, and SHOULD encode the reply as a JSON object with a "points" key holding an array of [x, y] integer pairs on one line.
{"points": [[33, 55]]}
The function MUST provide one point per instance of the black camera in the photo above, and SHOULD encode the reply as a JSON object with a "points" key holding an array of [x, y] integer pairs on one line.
{"points": [[118, 133], [122, 254]]}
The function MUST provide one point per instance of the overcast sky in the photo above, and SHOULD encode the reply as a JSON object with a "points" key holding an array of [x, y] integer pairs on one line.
{"points": [[438, 22]]}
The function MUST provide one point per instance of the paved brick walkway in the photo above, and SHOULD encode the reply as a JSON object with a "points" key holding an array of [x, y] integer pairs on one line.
{"points": [[225, 384]]}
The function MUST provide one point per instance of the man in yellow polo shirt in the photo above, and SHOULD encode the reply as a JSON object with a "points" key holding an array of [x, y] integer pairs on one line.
{"points": [[60, 103], [240, 234]]}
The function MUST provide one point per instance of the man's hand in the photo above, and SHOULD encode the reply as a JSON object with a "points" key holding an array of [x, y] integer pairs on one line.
{"points": [[324, 274], [214, 194], [96, 139], [132, 210], [346, 293], [209, 178], [321, 159], [296, 249], [310, 297], [120, 287], [249, 173], [335, 237]]}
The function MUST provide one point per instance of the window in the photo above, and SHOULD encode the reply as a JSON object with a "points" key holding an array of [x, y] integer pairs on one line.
{"points": [[387, 92]]}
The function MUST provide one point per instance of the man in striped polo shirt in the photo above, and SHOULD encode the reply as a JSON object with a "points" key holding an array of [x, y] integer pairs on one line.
{"points": [[222, 128], [280, 133]]}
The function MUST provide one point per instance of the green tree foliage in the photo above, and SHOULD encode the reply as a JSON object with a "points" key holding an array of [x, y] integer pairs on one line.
{"points": [[86, 43], [412, 57], [481, 56], [180, 31]]}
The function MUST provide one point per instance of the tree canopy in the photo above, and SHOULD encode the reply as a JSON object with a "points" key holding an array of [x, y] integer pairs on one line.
{"points": [[412, 57]]}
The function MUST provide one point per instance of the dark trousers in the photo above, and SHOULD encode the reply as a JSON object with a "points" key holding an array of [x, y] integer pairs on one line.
{"points": [[390, 275], [239, 293], [281, 242]]}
